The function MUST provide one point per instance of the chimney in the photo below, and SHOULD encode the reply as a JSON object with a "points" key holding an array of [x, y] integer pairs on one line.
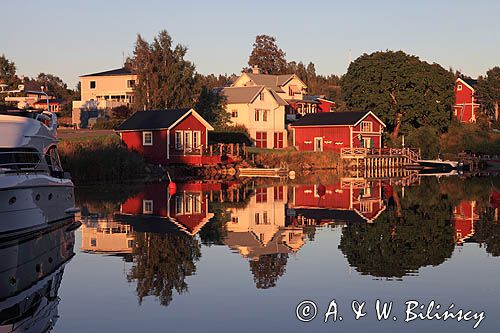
{"points": [[255, 69]]}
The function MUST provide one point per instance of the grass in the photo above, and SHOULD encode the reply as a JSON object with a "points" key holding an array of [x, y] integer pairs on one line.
{"points": [[100, 159], [296, 160]]}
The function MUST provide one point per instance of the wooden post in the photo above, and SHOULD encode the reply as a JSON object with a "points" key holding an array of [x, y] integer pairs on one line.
{"points": [[211, 150]]}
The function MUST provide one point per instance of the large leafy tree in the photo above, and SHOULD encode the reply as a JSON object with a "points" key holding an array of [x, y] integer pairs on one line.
{"points": [[166, 78], [405, 92], [211, 105], [7, 74], [489, 91], [268, 56]]}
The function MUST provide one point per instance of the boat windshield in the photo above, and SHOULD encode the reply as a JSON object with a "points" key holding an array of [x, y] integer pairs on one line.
{"points": [[19, 159]]}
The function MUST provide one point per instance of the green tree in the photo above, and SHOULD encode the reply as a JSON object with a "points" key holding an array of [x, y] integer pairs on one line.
{"points": [[211, 105], [427, 139], [489, 91], [268, 56], [7, 75], [405, 92], [165, 78]]}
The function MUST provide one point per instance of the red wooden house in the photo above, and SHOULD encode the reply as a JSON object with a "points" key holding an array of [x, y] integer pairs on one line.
{"points": [[173, 136], [347, 201], [466, 104], [187, 209], [464, 217], [331, 131]]}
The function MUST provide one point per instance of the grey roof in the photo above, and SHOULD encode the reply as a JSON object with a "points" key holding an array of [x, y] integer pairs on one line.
{"points": [[269, 80], [471, 82], [244, 95], [330, 118], [152, 119], [113, 72]]}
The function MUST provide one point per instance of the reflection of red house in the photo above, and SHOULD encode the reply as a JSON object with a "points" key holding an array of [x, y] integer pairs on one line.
{"points": [[188, 208], [466, 105], [464, 217], [350, 200], [331, 131], [178, 136]]}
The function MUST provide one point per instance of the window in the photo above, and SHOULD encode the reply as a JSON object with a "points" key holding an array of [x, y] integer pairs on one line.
{"points": [[196, 139], [257, 115], [366, 126], [178, 205], [459, 87], [234, 113], [197, 203], [234, 220], [188, 140], [290, 91], [265, 220], [278, 139], [93, 242], [261, 195], [178, 140], [257, 218], [130, 83], [188, 204], [147, 206], [92, 84], [130, 243], [278, 193], [261, 96], [147, 138], [264, 115], [261, 139]]}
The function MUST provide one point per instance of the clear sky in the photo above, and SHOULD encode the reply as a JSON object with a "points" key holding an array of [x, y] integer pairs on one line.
{"points": [[70, 38]]}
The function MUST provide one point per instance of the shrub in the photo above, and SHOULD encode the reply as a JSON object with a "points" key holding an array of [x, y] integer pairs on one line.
{"points": [[427, 139]]}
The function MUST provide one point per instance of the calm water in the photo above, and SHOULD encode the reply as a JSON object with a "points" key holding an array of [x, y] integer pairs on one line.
{"points": [[240, 257]]}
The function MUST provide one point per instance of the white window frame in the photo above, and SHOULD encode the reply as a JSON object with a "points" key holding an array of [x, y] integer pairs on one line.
{"points": [[145, 209], [144, 142], [179, 144], [196, 143], [366, 126], [188, 140]]}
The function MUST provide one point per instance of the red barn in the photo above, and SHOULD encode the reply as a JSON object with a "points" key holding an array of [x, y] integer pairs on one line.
{"points": [[466, 105], [325, 105], [173, 136], [331, 131]]}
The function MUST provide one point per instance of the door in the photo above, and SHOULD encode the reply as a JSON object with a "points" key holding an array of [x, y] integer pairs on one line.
{"points": [[188, 140], [278, 139], [367, 143], [318, 144]]}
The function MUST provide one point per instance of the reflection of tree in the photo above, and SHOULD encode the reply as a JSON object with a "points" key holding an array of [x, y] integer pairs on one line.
{"points": [[268, 269], [310, 232], [396, 246], [161, 264], [488, 232], [214, 232]]}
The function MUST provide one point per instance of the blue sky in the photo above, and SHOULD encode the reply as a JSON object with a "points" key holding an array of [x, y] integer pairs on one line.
{"points": [[70, 38]]}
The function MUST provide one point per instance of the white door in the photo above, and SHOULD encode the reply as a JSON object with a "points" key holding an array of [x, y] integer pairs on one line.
{"points": [[188, 140], [318, 144]]}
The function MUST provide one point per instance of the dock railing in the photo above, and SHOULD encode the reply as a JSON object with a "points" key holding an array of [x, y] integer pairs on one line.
{"points": [[413, 154]]}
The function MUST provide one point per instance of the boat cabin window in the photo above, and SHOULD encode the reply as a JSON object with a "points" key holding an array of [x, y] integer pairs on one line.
{"points": [[19, 159]]}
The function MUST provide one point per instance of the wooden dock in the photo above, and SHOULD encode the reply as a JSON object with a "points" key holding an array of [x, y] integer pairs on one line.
{"points": [[380, 162]]}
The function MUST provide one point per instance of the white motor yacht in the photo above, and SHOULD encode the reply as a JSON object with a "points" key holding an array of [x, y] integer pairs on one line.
{"points": [[34, 190]]}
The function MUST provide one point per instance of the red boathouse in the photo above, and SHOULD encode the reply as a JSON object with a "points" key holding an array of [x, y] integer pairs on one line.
{"points": [[172, 136], [331, 131], [466, 104]]}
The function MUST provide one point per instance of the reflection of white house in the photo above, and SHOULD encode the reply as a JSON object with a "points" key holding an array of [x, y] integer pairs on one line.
{"points": [[107, 237], [259, 228]]}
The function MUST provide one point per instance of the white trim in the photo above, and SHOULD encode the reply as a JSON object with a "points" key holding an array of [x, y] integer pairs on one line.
{"points": [[196, 115], [147, 211], [350, 136], [168, 144], [459, 79], [144, 143], [366, 115]]}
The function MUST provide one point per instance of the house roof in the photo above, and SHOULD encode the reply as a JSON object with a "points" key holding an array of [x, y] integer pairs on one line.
{"points": [[113, 72], [270, 80], [333, 118], [245, 95], [158, 119]]}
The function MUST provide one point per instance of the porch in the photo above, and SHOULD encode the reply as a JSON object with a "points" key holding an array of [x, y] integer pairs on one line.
{"points": [[222, 153]]}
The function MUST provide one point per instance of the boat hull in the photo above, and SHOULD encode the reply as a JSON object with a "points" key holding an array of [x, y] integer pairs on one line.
{"points": [[29, 203]]}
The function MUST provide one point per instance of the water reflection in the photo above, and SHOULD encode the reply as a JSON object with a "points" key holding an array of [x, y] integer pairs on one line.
{"points": [[31, 272], [391, 228]]}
